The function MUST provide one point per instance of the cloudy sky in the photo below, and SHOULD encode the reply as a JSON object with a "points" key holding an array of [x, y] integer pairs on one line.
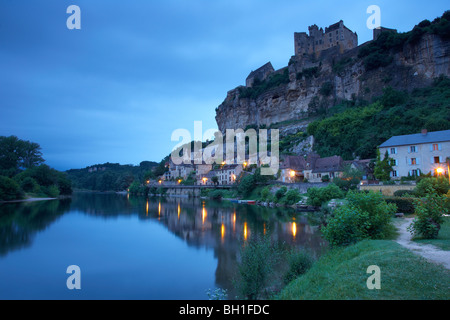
{"points": [[137, 70]]}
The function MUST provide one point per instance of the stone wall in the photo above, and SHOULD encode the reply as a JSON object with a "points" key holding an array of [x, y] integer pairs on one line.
{"points": [[387, 190]]}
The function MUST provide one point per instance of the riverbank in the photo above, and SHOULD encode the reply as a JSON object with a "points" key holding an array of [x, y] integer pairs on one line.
{"points": [[28, 200], [341, 274]]}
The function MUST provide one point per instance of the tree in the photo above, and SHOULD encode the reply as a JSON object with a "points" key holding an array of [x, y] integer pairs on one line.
{"points": [[16, 154], [383, 167], [215, 180]]}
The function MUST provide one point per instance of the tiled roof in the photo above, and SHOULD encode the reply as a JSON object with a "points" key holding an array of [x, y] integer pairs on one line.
{"points": [[330, 164], [418, 138], [297, 163]]}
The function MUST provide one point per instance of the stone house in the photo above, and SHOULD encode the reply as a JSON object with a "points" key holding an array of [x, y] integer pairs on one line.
{"points": [[416, 154]]}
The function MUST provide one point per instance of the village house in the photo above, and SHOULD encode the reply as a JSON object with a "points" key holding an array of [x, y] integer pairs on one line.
{"points": [[416, 154], [313, 169]]}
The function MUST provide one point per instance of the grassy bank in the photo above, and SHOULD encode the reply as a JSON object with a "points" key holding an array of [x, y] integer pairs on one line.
{"points": [[341, 274]]}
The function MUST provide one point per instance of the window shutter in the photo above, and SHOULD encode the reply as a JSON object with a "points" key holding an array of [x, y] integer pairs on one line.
{"points": [[409, 161], [431, 147], [417, 161], [440, 159], [432, 160], [440, 147]]}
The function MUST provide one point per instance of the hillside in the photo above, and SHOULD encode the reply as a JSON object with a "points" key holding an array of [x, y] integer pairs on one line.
{"points": [[110, 176], [311, 85]]}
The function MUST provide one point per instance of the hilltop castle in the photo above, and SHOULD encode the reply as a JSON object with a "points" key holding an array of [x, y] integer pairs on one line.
{"points": [[335, 35]]}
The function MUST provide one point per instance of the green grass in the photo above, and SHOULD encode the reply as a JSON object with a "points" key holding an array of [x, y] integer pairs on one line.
{"points": [[341, 275], [443, 239]]}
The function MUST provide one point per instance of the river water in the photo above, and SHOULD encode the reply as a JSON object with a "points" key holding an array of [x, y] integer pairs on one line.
{"points": [[135, 248]]}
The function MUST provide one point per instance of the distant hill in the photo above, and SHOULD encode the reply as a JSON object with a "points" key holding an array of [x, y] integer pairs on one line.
{"points": [[110, 176]]}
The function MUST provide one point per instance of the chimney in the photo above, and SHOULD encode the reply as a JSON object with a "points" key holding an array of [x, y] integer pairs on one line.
{"points": [[424, 132]]}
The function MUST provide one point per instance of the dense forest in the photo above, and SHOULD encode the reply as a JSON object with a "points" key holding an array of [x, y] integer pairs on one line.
{"points": [[114, 176], [23, 172], [356, 129]]}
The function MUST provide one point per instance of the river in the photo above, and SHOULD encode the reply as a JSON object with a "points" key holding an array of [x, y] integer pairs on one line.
{"points": [[135, 248]]}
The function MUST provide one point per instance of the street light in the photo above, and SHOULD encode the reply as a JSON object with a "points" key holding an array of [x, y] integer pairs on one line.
{"points": [[440, 171]]}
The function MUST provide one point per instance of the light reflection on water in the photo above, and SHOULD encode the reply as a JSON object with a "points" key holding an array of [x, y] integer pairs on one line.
{"points": [[171, 248]]}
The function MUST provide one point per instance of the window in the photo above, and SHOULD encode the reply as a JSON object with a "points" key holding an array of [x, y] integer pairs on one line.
{"points": [[435, 147], [412, 149], [436, 160], [394, 174], [393, 151], [413, 161], [319, 175]]}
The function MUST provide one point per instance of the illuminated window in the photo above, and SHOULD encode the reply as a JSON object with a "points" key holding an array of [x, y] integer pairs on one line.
{"points": [[435, 147], [413, 161]]}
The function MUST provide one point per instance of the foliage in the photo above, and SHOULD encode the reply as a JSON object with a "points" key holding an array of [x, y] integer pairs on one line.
{"points": [[429, 215], [308, 73], [404, 205], [259, 87], [265, 193], [216, 194], [246, 185], [280, 193], [402, 193], [291, 197], [326, 89], [319, 196], [359, 130], [299, 263], [383, 167], [258, 258], [139, 189], [115, 177], [366, 215], [437, 185], [17, 154], [9, 189]]}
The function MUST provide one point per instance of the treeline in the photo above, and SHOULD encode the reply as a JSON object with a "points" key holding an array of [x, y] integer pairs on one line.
{"points": [[357, 129], [114, 176], [23, 172]]}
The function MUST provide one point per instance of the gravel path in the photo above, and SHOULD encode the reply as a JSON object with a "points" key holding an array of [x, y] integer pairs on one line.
{"points": [[428, 251]]}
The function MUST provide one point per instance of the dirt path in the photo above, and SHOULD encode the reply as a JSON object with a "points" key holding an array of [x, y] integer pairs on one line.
{"points": [[428, 251]]}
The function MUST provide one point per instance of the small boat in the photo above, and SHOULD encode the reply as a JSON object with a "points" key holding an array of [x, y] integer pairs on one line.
{"points": [[234, 201], [247, 201]]}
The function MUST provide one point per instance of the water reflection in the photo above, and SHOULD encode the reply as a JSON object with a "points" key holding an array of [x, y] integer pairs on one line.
{"points": [[219, 227]]}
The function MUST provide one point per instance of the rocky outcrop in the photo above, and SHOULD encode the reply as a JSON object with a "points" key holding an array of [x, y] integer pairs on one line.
{"points": [[320, 82]]}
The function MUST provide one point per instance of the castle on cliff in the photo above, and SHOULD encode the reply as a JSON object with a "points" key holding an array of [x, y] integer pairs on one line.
{"points": [[318, 40], [336, 35]]}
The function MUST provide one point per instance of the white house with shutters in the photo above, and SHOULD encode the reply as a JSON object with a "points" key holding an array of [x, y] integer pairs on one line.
{"points": [[414, 154]]}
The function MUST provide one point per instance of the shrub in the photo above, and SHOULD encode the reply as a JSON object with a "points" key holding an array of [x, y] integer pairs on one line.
{"points": [[247, 185], [258, 258], [28, 184], [51, 191], [318, 196], [265, 193], [216, 194], [429, 216], [9, 189], [404, 205], [299, 263], [366, 215], [280, 193], [292, 197], [401, 193], [439, 186]]}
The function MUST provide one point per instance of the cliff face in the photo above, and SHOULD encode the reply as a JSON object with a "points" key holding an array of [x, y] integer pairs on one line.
{"points": [[320, 82]]}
